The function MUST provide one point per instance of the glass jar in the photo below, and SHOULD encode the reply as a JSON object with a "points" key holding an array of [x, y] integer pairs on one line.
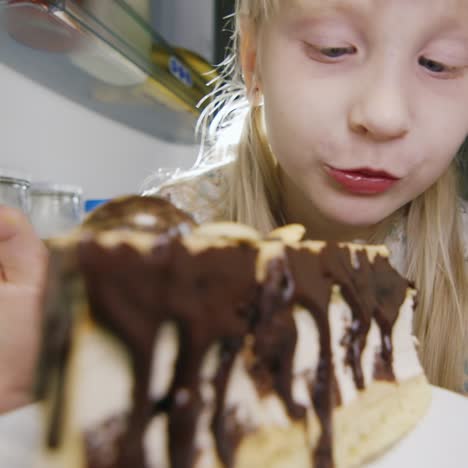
{"points": [[55, 208], [14, 190]]}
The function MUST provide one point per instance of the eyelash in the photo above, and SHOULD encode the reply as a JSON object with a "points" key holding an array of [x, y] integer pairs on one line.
{"points": [[435, 67], [335, 53]]}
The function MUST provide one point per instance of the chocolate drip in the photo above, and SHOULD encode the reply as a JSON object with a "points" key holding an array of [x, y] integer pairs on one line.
{"points": [[215, 305], [123, 296], [312, 290], [276, 336], [228, 434], [358, 290], [133, 295], [390, 292], [371, 290]]}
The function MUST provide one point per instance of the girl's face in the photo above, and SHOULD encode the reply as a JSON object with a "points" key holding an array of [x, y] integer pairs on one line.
{"points": [[366, 101]]}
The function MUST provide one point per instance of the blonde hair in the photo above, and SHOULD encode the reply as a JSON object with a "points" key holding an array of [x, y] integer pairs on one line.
{"points": [[435, 252]]}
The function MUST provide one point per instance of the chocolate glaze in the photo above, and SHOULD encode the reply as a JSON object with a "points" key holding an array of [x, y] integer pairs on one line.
{"points": [[390, 293], [133, 295], [213, 298], [214, 304], [122, 214], [371, 290], [228, 436], [312, 290], [122, 302], [276, 336]]}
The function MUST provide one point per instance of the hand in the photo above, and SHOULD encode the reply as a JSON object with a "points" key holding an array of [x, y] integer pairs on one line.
{"points": [[23, 261]]}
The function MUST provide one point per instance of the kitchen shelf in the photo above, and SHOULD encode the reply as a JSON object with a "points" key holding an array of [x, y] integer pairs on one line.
{"points": [[105, 56]]}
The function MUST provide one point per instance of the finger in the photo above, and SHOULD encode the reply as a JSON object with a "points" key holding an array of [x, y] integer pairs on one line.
{"points": [[23, 256]]}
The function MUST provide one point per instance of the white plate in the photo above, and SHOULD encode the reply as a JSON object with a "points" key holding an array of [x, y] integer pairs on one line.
{"points": [[439, 441]]}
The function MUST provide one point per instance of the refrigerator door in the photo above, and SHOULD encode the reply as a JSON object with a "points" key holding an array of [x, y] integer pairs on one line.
{"points": [[105, 56]]}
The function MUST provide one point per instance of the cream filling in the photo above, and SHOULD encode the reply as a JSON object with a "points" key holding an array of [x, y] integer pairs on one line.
{"points": [[306, 356], [101, 379], [204, 438], [166, 348], [372, 349], [405, 358], [249, 409], [156, 442], [340, 319]]}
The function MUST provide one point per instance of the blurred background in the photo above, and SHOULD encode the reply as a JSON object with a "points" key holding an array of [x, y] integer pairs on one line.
{"points": [[98, 94]]}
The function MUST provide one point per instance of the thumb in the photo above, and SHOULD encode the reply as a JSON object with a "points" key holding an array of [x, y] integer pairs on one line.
{"points": [[10, 218], [23, 256]]}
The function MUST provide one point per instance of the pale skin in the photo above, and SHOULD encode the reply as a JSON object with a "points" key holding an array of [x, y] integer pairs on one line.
{"points": [[360, 83], [368, 83], [23, 259]]}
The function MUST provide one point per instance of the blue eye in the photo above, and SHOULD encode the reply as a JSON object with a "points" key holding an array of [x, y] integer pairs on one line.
{"points": [[337, 52], [432, 65]]}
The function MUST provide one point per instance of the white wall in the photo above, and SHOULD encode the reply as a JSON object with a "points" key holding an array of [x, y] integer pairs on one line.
{"points": [[189, 24], [57, 140]]}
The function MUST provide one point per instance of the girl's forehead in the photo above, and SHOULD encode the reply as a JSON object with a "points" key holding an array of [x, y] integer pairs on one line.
{"points": [[365, 7]]}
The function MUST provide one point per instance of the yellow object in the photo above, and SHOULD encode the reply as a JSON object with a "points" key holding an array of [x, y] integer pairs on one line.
{"points": [[208, 72], [155, 90]]}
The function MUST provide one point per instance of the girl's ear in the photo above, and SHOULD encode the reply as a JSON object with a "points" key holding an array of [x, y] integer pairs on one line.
{"points": [[248, 55]]}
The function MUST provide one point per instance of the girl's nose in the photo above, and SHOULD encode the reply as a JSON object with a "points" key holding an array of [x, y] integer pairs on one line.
{"points": [[381, 111]]}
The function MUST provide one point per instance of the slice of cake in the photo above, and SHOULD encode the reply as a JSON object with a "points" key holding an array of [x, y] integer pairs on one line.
{"points": [[213, 347]]}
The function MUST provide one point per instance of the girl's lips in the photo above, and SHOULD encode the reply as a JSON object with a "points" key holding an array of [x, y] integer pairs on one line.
{"points": [[363, 181]]}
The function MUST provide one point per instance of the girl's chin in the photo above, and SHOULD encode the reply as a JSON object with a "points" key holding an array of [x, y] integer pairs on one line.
{"points": [[358, 221], [358, 215]]}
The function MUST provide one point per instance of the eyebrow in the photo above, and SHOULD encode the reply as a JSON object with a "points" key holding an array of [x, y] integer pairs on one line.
{"points": [[363, 9], [315, 7]]}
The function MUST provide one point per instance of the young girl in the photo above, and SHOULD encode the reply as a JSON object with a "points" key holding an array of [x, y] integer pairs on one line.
{"points": [[351, 115], [343, 115]]}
